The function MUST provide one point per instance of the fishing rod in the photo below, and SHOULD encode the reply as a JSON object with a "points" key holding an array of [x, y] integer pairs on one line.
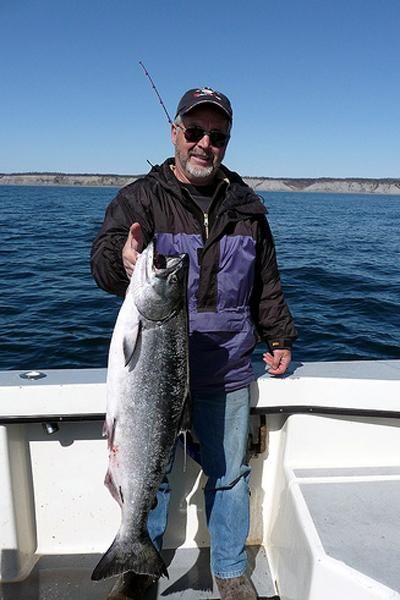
{"points": [[156, 91]]}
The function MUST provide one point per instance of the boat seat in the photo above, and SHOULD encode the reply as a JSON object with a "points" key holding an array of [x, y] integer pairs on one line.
{"points": [[338, 523], [358, 523]]}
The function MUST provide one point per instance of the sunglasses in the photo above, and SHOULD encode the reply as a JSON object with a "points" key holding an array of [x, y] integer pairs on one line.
{"points": [[194, 134]]}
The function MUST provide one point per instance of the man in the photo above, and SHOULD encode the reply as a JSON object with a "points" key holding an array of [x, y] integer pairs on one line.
{"points": [[194, 204]]}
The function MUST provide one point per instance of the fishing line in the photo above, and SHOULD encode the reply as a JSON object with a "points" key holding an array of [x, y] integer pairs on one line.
{"points": [[156, 91]]}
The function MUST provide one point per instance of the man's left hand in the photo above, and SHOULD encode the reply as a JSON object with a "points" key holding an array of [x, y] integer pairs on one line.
{"points": [[278, 362]]}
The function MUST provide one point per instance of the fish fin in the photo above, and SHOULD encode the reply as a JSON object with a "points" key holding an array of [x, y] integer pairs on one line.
{"points": [[139, 556], [114, 489], [109, 431], [186, 417], [184, 436], [190, 447], [185, 425], [130, 342]]}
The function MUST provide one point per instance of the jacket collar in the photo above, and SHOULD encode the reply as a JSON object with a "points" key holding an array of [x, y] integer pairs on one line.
{"points": [[239, 197]]}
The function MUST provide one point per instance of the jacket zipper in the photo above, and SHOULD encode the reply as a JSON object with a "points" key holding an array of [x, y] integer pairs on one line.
{"points": [[205, 217]]}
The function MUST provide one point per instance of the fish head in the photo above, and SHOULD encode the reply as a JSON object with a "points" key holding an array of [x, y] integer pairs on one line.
{"points": [[160, 284]]}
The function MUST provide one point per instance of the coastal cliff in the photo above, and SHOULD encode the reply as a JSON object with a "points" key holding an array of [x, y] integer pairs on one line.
{"points": [[260, 184], [326, 184]]}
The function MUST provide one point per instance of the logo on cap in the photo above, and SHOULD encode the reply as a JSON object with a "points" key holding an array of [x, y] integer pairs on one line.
{"points": [[206, 92]]}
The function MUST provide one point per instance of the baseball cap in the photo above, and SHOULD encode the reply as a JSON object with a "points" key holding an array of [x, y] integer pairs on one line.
{"points": [[205, 95]]}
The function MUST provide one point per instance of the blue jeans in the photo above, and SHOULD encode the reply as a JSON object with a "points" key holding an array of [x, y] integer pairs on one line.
{"points": [[220, 422]]}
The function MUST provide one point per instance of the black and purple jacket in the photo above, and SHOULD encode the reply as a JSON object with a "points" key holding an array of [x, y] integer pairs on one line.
{"points": [[234, 289]]}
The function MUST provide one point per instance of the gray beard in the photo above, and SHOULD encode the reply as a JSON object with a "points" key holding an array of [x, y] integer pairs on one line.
{"points": [[196, 171], [199, 172]]}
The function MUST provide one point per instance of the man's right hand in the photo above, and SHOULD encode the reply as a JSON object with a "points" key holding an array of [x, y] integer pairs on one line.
{"points": [[132, 248]]}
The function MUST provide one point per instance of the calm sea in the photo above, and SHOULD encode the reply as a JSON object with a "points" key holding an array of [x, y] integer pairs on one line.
{"points": [[339, 257]]}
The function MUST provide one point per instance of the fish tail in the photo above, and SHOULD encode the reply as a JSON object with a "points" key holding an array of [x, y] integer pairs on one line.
{"points": [[141, 557]]}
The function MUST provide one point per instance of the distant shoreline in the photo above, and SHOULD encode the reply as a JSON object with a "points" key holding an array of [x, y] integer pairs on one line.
{"points": [[349, 185]]}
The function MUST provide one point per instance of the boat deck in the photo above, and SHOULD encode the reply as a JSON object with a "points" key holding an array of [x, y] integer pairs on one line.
{"points": [[68, 578]]}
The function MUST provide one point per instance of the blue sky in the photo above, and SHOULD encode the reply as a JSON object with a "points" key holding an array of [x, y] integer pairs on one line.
{"points": [[314, 84]]}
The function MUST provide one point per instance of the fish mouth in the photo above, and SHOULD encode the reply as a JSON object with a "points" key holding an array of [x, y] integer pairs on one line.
{"points": [[159, 261], [155, 264], [164, 265]]}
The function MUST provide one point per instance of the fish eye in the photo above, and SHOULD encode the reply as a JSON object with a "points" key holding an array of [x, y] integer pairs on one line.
{"points": [[173, 278]]}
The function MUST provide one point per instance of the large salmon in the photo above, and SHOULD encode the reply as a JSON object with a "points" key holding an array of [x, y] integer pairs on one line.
{"points": [[147, 388]]}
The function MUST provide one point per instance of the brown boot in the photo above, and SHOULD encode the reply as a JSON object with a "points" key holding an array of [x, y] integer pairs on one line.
{"points": [[236, 588], [130, 586]]}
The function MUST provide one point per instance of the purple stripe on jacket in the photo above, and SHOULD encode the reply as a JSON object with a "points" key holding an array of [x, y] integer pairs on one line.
{"points": [[236, 270], [220, 342]]}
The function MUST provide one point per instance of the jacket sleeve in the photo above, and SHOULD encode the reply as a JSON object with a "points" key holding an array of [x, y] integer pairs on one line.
{"points": [[131, 205], [271, 314]]}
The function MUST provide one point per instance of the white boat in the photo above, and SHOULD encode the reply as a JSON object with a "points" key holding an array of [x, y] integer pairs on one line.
{"points": [[325, 498]]}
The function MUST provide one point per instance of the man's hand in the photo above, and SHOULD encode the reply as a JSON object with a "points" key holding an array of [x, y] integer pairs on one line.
{"points": [[132, 248], [278, 362]]}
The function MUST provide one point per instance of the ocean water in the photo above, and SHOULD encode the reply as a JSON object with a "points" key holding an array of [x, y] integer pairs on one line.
{"points": [[338, 256]]}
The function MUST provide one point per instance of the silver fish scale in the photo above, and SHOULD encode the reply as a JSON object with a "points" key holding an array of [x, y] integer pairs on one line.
{"points": [[150, 417]]}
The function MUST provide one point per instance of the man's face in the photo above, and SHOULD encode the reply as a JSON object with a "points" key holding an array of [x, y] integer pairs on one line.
{"points": [[197, 162]]}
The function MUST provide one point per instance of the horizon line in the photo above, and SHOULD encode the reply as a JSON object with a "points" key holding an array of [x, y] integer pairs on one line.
{"points": [[263, 177]]}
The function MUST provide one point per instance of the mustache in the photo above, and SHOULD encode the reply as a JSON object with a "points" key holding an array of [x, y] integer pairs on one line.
{"points": [[209, 154]]}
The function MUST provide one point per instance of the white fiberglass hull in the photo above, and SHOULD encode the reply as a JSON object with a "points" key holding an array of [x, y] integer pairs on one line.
{"points": [[325, 492]]}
